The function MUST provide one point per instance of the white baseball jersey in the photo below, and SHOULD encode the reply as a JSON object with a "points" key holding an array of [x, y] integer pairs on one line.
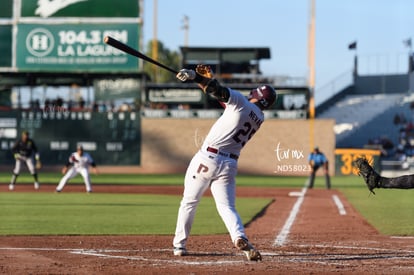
{"points": [[217, 168], [240, 121], [80, 161]]}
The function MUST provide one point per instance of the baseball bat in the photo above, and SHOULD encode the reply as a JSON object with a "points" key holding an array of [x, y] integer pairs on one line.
{"points": [[127, 49]]}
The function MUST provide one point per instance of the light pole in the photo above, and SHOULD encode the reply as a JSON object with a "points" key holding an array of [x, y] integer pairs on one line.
{"points": [[311, 69], [186, 27], [408, 44], [155, 39]]}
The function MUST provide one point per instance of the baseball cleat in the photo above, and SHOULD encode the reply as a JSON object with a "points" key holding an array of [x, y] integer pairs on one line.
{"points": [[36, 185], [11, 187], [180, 251], [251, 253]]}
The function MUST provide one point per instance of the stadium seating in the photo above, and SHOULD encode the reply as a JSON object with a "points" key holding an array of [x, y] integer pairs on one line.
{"points": [[355, 116]]}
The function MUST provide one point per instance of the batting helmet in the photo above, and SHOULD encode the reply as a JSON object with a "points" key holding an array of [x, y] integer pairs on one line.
{"points": [[265, 94]]}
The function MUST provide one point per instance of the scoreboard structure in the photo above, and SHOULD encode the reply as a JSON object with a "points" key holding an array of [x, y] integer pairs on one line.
{"points": [[111, 138], [46, 43]]}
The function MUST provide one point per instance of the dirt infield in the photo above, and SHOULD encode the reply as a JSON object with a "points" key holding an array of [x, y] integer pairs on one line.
{"points": [[317, 232]]}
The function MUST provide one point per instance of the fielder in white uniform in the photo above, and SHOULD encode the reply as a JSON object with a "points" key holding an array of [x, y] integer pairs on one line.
{"points": [[215, 164], [78, 163]]}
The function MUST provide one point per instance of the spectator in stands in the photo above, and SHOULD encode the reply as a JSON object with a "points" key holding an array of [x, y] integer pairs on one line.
{"points": [[400, 119], [47, 105], [403, 118], [412, 105], [81, 103], [70, 104], [59, 102], [397, 119], [317, 159], [95, 106], [34, 104], [401, 156]]}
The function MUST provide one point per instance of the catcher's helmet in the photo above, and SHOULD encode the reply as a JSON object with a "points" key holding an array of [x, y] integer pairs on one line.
{"points": [[265, 94]]}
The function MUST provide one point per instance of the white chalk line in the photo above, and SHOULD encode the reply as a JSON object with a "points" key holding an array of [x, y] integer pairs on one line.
{"points": [[339, 205], [284, 233], [141, 258], [352, 247], [402, 237], [103, 253], [323, 259], [79, 250], [281, 238]]}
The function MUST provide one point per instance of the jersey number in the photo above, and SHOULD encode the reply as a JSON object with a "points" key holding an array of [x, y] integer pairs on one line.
{"points": [[243, 135]]}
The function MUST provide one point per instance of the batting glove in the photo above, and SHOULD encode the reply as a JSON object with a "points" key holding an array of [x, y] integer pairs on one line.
{"points": [[185, 75]]}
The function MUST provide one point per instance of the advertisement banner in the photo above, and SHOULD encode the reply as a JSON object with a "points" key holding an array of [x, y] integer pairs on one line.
{"points": [[345, 157], [176, 95], [75, 48], [116, 88], [6, 10], [79, 8], [6, 46]]}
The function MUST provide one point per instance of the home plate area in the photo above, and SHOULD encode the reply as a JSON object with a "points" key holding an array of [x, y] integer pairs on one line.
{"points": [[303, 258], [337, 255]]}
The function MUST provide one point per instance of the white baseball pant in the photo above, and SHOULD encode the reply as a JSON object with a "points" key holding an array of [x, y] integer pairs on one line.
{"points": [[218, 172], [72, 172], [29, 162]]}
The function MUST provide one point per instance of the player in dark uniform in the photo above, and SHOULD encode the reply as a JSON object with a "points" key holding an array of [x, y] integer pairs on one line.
{"points": [[374, 180], [317, 160], [25, 150]]}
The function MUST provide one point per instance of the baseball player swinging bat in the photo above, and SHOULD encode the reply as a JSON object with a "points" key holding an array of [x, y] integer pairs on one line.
{"points": [[127, 49]]}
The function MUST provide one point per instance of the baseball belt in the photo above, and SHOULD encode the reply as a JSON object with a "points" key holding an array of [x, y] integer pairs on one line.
{"points": [[216, 151]]}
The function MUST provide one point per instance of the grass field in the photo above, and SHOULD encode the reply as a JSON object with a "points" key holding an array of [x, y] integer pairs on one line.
{"points": [[390, 211], [97, 214]]}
